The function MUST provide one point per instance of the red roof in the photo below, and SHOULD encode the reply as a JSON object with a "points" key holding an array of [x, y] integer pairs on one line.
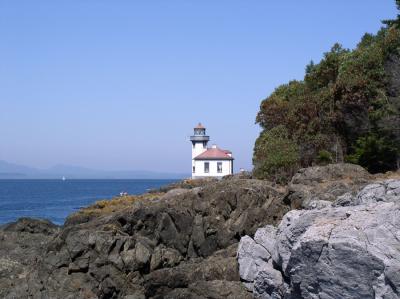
{"points": [[214, 154], [199, 126]]}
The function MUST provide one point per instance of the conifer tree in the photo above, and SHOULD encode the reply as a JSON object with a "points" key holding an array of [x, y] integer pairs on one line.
{"points": [[395, 22]]}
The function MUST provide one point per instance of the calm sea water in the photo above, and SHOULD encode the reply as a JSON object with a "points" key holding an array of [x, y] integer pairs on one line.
{"points": [[56, 199]]}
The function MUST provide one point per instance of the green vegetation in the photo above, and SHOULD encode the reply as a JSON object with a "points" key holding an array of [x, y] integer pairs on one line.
{"points": [[276, 156], [374, 153], [344, 109], [324, 157]]}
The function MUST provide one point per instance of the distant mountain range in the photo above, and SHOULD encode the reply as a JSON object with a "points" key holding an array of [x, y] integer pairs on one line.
{"points": [[15, 171]]}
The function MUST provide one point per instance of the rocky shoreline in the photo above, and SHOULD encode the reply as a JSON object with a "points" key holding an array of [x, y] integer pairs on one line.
{"points": [[182, 241]]}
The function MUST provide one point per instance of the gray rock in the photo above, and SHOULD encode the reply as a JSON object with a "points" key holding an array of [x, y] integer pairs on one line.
{"points": [[316, 204], [265, 236], [387, 191], [336, 252], [268, 284], [344, 200], [252, 258], [371, 193], [393, 187]]}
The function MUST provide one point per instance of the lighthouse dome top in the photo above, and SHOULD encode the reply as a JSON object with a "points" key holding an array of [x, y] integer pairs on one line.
{"points": [[199, 126], [199, 133]]}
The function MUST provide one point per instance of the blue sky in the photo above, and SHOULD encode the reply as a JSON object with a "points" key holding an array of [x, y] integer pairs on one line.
{"points": [[120, 84]]}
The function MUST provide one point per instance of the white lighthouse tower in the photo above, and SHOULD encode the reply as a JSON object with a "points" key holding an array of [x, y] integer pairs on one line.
{"points": [[208, 162], [199, 142]]}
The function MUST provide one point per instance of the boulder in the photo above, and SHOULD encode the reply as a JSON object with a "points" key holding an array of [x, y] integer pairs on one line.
{"points": [[33, 226], [21, 245], [265, 236], [252, 258], [269, 284], [313, 187], [341, 251], [388, 190]]}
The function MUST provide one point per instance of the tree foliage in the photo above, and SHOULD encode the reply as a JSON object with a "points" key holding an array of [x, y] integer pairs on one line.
{"points": [[334, 111], [395, 22], [375, 153], [276, 156]]}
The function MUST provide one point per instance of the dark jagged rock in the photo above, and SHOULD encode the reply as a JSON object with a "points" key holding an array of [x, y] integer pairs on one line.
{"points": [[21, 244], [178, 244], [33, 226]]}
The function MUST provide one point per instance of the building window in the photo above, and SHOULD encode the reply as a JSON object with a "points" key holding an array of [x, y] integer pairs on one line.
{"points": [[204, 144], [219, 167], [206, 167], [194, 169]]}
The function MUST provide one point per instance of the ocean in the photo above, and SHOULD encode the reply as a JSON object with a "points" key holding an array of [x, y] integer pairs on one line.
{"points": [[56, 199]]}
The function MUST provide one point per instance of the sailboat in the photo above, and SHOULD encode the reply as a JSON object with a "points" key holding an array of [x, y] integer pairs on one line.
{"points": [[63, 178]]}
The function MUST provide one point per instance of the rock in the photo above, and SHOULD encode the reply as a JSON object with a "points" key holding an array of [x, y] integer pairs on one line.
{"points": [[219, 290], [174, 193], [371, 193], [184, 244], [164, 258], [33, 226], [255, 264], [265, 236], [21, 245], [316, 204], [198, 235], [331, 172], [347, 252], [344, 200], [325, 183], [142, 254], [135, 296], [388, 191], [237, 176], [181, 244], [268, 284], [252, 258]]}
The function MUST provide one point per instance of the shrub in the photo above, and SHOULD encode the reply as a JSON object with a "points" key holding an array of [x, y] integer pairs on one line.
{"points": [[276, 156], [376, 154], [324, 157]]}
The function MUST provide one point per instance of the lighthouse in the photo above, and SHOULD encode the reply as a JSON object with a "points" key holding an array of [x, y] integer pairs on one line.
{"points": [[208, 162], [199, 140]]}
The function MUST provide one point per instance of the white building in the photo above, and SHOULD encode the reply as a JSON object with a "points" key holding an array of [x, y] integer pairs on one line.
{"points": [[208, 162]]}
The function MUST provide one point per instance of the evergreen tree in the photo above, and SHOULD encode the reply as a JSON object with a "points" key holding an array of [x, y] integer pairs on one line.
{"points": [[395, 22]]}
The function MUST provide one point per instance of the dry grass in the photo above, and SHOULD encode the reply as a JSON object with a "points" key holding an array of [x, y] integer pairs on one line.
{"points": [[388, 175], [103, 207]]}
